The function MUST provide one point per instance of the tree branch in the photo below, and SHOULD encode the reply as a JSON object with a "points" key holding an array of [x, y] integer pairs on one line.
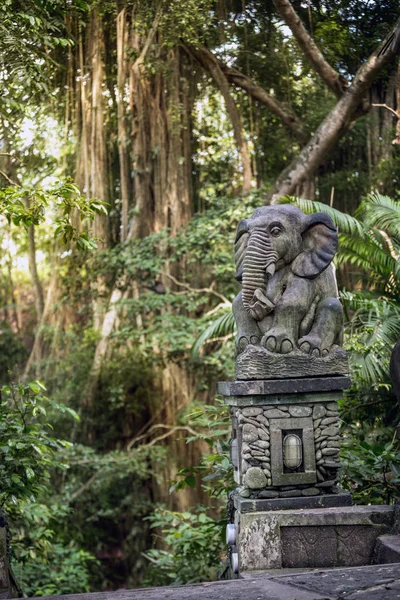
{"points": [[236, 77], [212, 65], [197, 290], [338, 121], [10, 181], [334, 81], [396, 114]]}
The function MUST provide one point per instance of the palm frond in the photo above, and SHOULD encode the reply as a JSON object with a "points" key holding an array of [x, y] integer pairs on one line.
{"points": [[344, 223], [221, 327], [371, 255], [381, 212]]}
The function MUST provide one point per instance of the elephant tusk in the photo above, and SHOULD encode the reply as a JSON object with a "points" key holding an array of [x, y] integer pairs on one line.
{"points": [[270, 270]]}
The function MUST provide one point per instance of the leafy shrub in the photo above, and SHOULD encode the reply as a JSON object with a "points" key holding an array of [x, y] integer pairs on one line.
{"points": [[44, 561], [194, 544]]}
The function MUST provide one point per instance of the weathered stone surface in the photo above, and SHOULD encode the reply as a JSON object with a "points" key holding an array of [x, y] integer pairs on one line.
{"points": [[244, 492], [250, 433], [275, 413], [268, 494], [290, 494], [245, 505], [279, 399], [332, 406], [262, 434], [313, 491], [332, 413], [372, 582], [334, 444], [330, 451], [261, 444], [251, 411], [328, 546], [300, 411], [330, 464], [263, 420], [278, 385], [330, 431], [317, 423], [328, 421], [319, 411], [318, 455], [257, 362], [335, 537], [245, 447], [387, 549], [324, 443], [320, 439], [255, 478], [326, 484]]}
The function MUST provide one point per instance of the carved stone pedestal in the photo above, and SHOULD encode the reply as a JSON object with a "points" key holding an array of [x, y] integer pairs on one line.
{"points": [[285, 451], [285, 436]]}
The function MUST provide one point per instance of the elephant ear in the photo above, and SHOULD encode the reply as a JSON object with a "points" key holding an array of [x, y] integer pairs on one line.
{"points": [[320, 243], [242, 237]]}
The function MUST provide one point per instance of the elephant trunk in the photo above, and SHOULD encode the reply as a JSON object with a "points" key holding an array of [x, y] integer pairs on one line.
{"points": [[258, 266]]}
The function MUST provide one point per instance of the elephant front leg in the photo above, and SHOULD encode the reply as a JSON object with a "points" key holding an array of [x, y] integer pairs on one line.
{"points": [[326, 330], [248, 329], [290, 311]]}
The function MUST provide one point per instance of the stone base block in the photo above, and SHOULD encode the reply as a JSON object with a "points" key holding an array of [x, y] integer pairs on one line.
{"points": [[256, 362], [310, 538], [387, 549], [244, 505]]}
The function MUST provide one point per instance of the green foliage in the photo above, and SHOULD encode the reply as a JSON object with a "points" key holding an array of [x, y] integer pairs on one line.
{"points": [[46, 560], [194, 543], [12, 352], [28, 451], [27, 206], [212, 426], [371, 471]]}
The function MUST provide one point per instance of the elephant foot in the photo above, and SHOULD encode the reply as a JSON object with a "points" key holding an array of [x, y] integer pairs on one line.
{"points": [[244, 341], [278, 340], [312, 344]]}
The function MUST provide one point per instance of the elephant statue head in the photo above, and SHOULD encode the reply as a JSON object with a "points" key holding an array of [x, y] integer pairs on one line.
{"points": [[276, 237]]}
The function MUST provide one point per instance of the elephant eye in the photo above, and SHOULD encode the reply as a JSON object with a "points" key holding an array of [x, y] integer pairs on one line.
{"points": [[275, 231]]}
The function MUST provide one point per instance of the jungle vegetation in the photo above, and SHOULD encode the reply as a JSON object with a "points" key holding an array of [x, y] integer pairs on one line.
{"points": [[134, 136]]}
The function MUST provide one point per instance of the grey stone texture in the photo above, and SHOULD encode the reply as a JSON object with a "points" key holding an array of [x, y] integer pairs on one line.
{"points": [[279, 386], [260, 433], [257, 362], [268, 500], [376, 582], [288, 305], [310, 537], [387, 549]]}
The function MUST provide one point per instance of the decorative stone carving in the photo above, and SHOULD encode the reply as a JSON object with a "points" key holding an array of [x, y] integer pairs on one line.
{"points": [[259, 434], [288, 304]]}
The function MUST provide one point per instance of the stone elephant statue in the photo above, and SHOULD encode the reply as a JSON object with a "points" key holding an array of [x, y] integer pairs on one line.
{"points": [[289, 292]]}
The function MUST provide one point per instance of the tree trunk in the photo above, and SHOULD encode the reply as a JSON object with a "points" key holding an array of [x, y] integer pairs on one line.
{"points": [[98, 160], [125, 184], [208, 60]]}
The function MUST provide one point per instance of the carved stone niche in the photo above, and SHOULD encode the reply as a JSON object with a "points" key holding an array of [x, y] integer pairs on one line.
{"points": [[288, 316], [301, 430]]}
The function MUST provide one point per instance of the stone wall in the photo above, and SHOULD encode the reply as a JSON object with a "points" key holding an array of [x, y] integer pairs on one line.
{"points": [[258, 431]]}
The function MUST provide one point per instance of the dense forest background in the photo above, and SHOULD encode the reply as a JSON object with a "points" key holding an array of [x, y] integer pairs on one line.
{"points": [[134, 136]]}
